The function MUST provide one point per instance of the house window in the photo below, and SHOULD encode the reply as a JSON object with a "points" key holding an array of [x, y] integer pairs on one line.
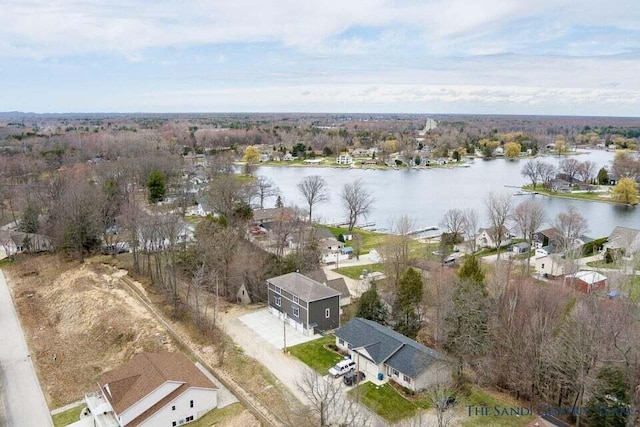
{"points": [[349, 346], [189, 418], [341, 341], [278, 290], [296, 311], [173, 408], [278, 301], [191, 403], [296, 299], [395, 373], [542, 265], [406, 379], [327, 313]]}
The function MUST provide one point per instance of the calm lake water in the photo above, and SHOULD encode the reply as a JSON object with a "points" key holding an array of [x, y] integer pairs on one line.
{"points": [[425, 195]]}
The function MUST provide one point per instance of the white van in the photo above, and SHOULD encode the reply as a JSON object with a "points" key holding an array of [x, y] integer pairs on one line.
{"points": [[342, 368]]}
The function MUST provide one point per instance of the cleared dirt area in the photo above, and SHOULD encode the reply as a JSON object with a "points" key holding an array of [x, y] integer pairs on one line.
{"points": [[79, 322]]}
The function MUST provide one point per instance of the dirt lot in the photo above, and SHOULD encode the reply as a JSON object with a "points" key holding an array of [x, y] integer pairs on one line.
{"points": [[79, 322]]}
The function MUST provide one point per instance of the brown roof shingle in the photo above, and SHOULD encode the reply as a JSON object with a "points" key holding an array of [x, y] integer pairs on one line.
{"points": [[126, 385]]}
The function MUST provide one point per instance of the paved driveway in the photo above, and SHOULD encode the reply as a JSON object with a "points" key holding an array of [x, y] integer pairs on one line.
{"points": [[270, 329], [23, 401]]}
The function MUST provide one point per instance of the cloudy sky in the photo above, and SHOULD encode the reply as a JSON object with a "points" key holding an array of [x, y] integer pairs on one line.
{"points": [[433, 56]]}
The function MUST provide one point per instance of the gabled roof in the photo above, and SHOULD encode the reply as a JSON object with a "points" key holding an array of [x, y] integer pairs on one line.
{"points": [[550, 233], [318, 275], [625, 236], [386, 345], [303, 287], [492, 230], [589, 277], [339, 285], [145, 372], [272, 214]]}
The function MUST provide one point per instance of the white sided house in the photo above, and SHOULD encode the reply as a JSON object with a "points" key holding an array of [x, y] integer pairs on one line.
{"points": [[487, 238], [379, 350], [152, 390]]}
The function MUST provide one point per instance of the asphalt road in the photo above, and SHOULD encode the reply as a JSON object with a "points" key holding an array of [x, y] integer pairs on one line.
{"points": [[22, 403]]}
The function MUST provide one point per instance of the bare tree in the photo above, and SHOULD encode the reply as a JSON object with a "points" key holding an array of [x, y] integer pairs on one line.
{"points": [[454, 223], [471, 222], [229, 196], [358, 201], [265, 188], [498, 208], [587, 171], [529, 217], [570, 167], [441, 395], [329, 403], [395, 249], [546, 172], [314, 189], [531, 170], [570, 225]]}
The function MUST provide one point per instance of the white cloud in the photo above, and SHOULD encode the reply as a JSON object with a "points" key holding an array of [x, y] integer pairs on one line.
{"points": [[400, 98], [62, 27]]}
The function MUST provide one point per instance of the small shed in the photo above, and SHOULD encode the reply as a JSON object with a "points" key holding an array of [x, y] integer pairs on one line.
{"points": [[520, 248], [242, 296], [347, 250], [586, 281]]}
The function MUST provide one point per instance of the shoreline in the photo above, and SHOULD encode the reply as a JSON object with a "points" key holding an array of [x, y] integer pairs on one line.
{"points": [[527, 189]]}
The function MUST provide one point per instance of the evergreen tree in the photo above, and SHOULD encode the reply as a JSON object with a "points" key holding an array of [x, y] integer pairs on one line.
{"points": [[471, 270], [406, 308], [371, 307], [279, 203], [603, 177], [29, 220], [467, 323], [609, 405], [156, 186]]}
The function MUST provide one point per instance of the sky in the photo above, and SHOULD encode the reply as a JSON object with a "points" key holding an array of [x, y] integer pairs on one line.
{"points": [[555, 57]]}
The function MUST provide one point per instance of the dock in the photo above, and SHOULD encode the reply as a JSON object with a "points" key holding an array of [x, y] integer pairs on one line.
{"points": [[422, 230]]}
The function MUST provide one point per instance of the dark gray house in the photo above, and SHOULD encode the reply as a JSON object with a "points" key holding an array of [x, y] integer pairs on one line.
{"points": [[307, 305], [379, 350]]}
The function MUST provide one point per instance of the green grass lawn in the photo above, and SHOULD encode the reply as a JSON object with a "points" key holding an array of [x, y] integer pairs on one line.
{"points": [[385, 401], [597, 197], [214, 416], [478, 398], [67, 417], [315, 355], [355, 271], [634, 292], [370, 239]]}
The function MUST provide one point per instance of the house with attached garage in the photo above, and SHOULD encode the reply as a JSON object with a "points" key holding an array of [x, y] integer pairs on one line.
{"points": [[307, 305], [380, 352], [152, 390]]}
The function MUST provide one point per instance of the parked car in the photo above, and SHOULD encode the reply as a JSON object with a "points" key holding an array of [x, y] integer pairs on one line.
{"points": [[353, 377], [342, 368], [445, 402]]}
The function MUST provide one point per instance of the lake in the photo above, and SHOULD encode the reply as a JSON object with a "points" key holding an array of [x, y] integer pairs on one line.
{"points": [[426, 194]]}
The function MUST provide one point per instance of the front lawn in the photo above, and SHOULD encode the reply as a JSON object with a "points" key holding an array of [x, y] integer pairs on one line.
{"points": [[370, 239], [215, 416], [385, 401], [355, 271], [315, 355], [478, 398], [67, 417]]}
